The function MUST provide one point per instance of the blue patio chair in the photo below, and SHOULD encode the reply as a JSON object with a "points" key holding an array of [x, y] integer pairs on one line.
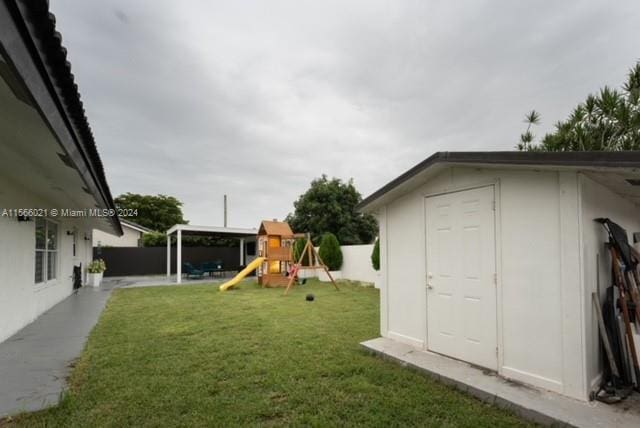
{"points": [[190, 271]]}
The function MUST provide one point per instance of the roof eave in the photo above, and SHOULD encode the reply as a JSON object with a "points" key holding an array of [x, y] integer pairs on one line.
{"points": [[577, 160]]}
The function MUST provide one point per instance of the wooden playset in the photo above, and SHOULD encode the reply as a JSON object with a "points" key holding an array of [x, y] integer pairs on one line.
{"points": [[275, 245], [275, 266]]}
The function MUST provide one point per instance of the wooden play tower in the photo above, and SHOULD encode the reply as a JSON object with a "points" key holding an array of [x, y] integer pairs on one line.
{"points": [[275, 244]]}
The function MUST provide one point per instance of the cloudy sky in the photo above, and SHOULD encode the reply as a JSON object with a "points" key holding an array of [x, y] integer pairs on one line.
{"points": [[196, 99]]}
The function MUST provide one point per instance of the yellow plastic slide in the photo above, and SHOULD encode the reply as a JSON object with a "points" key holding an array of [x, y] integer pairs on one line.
{"points": [[244, 272]]}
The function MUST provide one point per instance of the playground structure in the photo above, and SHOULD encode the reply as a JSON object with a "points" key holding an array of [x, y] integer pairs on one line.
{"points": [[275, 243], [275, 266]]}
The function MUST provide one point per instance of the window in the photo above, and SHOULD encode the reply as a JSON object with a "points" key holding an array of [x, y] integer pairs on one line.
{"points": [[46, 267]]}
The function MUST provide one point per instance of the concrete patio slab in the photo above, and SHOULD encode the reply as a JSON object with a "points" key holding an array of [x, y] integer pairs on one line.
{"points": [[158, 281], [35, 362], [537, 405]]}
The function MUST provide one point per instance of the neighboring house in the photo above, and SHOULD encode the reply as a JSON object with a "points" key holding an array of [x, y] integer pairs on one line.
{"points": [[491, 258], [131, 236], [49, 164]]}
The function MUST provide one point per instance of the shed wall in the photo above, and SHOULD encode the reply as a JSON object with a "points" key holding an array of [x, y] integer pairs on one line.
{"points": [[598, 201], [536, 226]]}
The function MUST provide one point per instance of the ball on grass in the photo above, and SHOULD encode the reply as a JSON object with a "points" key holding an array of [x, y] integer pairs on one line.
{"points": [[310, 297]]}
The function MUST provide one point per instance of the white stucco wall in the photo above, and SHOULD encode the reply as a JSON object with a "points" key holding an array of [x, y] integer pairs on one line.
{"points": [[597, 201], [539, 320], [130, 238], [356, 263], [21, 301]]}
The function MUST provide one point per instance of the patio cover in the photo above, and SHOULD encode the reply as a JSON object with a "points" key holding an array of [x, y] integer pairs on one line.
{"points": [[191, 230]]}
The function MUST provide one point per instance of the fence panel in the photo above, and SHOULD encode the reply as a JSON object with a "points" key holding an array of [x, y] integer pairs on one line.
{"points": [[130, 261]]}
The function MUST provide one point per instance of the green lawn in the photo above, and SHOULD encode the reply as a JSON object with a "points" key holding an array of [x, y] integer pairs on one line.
{"points": [[193, 356]]}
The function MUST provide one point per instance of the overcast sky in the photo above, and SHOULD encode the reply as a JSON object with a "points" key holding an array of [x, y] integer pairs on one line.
{"points": [[196, 99]]}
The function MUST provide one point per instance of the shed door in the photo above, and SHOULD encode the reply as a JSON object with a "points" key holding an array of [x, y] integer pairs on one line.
{"points": [[461, 266]]}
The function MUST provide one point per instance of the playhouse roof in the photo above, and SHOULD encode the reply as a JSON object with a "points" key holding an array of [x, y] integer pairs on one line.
{"points": [[275, 228]]}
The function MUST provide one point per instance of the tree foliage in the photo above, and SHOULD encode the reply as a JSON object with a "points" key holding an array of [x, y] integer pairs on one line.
{"points": [[159, 239], [329, 206], [375, 255], [330, 251], [157, 212], [607, 121], [298, 247]]}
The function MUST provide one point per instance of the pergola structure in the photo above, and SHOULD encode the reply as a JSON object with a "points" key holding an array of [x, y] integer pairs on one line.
{"points": [[190, 230]]}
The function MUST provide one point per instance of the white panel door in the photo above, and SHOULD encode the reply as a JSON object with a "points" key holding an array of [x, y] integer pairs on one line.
{"points": [[461, 267]]}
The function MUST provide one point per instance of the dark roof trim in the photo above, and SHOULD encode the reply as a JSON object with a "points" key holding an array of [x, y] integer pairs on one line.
{"points": [[628, 159], [36, 27]]}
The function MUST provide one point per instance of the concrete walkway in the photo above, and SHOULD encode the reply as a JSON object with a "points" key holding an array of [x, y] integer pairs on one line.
{"points": [[159, 281], [35, 362], [539, 406]]}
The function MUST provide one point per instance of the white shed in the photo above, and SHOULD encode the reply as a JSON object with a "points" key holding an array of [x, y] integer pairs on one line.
{"points": [[491, 258]]}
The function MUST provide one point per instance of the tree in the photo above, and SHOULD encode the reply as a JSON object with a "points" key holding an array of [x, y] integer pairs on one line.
{"points": [[526, 139], [157, 212], [159, 239], [329, 206], [330, 251], [298, 247], [608, 121], [375, 255]]}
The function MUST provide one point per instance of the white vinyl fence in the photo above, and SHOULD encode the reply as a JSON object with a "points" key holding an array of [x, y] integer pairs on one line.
{"points": [[356, 264]]}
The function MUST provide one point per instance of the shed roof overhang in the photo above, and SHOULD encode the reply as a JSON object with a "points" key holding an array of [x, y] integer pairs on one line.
{"points": [[225, 232], [615, 170]]}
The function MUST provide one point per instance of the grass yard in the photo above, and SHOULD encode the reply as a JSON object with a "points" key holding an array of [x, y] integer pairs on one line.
{"points": [[192, 356]]}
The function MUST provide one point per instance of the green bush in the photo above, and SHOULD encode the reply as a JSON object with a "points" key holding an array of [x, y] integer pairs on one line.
{"points": [[297, 251], [375, 255], [330, 251]]}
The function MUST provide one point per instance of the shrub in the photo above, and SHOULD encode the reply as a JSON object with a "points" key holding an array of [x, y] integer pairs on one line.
{"points": [[330, 251], [97, 266], [297, 251], [375, 255]]}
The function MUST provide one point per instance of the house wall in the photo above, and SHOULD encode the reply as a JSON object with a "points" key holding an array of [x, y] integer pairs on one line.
{"points": [[536, 240], [21, 301], [597, 201], [130, 238]]}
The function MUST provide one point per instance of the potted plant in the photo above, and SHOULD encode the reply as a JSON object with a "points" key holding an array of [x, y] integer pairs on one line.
{"points": [[331, 255], [96, 270], [375, 262]]}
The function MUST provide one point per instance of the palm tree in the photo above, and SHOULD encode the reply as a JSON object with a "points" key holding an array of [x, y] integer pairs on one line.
{"points": [[607, 121], [526, 139]]}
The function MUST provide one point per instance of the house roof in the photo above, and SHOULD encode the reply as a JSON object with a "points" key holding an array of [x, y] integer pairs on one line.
{"points": [[134, 226], [629, 161], [280, 228], [46, 58]]}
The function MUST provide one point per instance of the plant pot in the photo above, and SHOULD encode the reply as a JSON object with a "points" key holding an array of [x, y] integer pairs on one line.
{"points": [[323, 277], [94, 279]]}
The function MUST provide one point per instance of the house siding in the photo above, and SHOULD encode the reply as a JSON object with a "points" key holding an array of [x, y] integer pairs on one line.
{"points": [[21, 300], [130, 238]]}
